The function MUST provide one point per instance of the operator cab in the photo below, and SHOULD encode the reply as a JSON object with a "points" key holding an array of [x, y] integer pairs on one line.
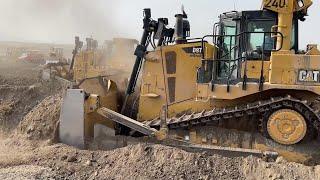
{"points": [[241, 37]]}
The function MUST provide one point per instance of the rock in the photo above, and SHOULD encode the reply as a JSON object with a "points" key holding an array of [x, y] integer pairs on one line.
{"points": [[196, 162], [277, 176], [32, 87], [49, 142], [147, 149], [181, 177], [268, 165], [30, 130], [88, 163], [72, 158], [209, 164], [178, 156], [64, 157], [57, 146], [280, 160], [270, 175], [204, 154], [317, 170], [205, 177]]}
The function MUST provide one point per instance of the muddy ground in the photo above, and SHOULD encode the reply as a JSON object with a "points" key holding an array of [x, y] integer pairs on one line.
{"points": [[29, 111]]}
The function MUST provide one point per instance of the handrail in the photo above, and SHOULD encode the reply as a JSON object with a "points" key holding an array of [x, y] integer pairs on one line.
{"points": [[240, 57], [239, 35]]}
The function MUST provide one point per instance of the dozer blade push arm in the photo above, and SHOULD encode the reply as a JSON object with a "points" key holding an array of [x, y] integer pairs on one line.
{"points": [[148, 28], [126, 121], [78, 45], [147, 130]]}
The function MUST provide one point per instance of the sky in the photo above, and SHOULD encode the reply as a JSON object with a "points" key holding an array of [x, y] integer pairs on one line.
{"points": [[58, 21]]}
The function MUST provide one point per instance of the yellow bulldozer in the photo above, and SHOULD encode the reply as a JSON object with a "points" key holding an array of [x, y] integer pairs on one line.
{"points": [[92, 61], [247, 87]]}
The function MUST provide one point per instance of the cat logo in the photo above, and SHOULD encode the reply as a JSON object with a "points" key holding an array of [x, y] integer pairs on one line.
{"points": [[309, 76]]}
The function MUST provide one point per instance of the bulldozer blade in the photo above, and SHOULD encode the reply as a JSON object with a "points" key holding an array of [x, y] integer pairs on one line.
{"points": [[71, 129], [126, 121], [46, 75]]}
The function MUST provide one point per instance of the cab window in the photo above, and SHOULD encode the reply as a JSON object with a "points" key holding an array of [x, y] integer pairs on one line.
{"points": [[228, 47], [257, 37]]}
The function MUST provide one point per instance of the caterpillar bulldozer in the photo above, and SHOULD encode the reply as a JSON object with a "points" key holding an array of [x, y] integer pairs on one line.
{"points": [[92, 61], [245, 88]]}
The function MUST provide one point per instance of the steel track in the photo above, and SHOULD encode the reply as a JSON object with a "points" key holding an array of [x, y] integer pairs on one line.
{"points": [[258, 108]]}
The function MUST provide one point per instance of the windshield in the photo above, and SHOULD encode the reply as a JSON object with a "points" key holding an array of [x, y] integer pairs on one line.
{"points": [[257, 37]]}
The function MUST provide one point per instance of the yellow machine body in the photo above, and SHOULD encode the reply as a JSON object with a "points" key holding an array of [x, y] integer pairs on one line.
{"points": [[101, 73], [180, 77], [89, 64], [104, 93], [283, 72], [170, 78], [170, 74]]}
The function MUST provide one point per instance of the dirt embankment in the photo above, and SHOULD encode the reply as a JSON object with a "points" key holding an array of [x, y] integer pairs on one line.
{"points": [[21, 90], [141, 161], [41, 122]]}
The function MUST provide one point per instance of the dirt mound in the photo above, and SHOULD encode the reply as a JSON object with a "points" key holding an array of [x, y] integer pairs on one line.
{"points": [[21, 90], [255, 168], [25, 172], [140, 161], [161, 162], [41, 122], [145, 161], [17, 101]]}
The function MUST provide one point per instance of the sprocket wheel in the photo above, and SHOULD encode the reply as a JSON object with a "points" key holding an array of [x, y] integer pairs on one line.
{"points": [[286, 126]]}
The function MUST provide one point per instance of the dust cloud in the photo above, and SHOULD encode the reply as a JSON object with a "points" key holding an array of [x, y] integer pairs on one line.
{"points": [[55, 21]]}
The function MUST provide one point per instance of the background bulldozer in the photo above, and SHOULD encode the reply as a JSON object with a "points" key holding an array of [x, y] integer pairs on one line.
{"points": [[247, 85], [113, 58], [103, 71]]}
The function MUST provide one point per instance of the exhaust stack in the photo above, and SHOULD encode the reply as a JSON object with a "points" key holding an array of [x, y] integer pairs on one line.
{"points": [[182, 28]]}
